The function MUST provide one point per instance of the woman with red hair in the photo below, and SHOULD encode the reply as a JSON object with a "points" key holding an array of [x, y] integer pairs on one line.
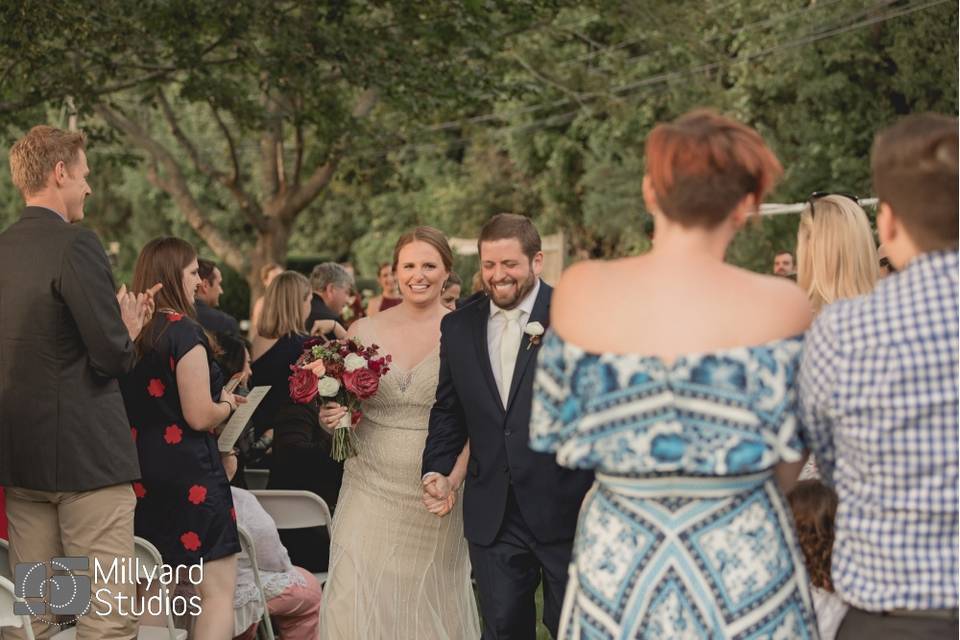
{"points": [[683, 402]]}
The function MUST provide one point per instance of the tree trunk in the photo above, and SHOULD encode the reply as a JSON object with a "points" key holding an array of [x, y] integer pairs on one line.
{"points": [[271, 246]]}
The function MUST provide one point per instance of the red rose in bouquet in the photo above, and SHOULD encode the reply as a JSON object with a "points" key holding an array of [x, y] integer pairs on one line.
{"points": [[303, 386], [341, 371], [362, 383]]}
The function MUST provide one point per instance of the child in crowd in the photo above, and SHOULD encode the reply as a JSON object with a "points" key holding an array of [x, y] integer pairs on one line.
{"points": [[814, 507]]}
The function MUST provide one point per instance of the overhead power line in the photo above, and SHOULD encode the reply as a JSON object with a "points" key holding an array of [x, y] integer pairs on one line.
{"points": [[665, 78]]}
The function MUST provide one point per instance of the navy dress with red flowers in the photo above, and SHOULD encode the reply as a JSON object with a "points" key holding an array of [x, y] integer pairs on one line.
{"points": [[184, 505]]}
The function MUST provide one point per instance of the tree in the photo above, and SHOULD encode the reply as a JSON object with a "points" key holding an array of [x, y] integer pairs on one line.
{"points": [[191, 83]]}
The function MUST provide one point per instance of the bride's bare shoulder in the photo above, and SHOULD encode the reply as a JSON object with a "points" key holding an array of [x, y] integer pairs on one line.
{"points": [[362, 329]]}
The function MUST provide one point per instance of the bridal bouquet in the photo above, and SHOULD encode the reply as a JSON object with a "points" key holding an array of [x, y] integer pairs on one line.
{"points": [[341, 371]]}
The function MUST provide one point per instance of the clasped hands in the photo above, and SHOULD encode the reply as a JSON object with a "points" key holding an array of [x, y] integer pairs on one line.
{"points": [[439, 494]]}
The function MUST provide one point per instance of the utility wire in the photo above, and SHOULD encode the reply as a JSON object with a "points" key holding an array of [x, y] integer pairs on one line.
{"points": [[665, 78], [493, 116]]}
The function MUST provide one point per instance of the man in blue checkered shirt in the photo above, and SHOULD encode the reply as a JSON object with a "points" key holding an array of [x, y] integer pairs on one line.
{"points": [[879, 394]]}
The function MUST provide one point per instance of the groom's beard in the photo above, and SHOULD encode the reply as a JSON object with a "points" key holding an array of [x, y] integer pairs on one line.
{"points": [[511, 299]]}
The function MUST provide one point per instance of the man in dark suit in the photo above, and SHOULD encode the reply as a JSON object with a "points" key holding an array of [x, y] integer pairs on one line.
{"points": [[331, 291], [208, 297], [520, 507], [66, 455]]}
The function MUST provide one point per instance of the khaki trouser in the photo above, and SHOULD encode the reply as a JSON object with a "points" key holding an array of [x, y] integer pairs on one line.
{"points": [[97, 524]]}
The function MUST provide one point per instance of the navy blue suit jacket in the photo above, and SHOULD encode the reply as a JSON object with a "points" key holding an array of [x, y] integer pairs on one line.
{"points": [[468, 406]]}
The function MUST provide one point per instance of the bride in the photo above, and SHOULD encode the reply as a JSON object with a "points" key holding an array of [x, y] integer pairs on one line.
{"points": [[396, 569]]}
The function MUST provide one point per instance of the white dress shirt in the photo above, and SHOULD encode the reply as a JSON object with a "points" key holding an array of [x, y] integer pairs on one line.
{"points": [[495, 329]]}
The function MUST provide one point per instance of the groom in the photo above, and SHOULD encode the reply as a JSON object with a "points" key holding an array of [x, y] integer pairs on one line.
{"points": [[520, 508]]}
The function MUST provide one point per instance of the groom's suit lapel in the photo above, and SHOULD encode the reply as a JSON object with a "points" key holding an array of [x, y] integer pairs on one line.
{"points": [[541, 314], [482, 309]]}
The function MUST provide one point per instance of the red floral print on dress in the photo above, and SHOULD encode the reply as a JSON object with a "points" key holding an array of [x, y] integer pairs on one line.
{"points": [[173, 364], [133, 433], [173, 434], [190, 541], [174, 317], [197, 494], [156, 388], [139, 490], [233, 514]]}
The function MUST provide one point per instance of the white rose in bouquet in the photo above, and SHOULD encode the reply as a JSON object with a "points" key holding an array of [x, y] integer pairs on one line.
{"points": [[353, 362], [328, 387]]}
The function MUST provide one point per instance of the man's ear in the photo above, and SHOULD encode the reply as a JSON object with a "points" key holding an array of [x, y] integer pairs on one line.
{"points": [[59, 173], [537, 263]]}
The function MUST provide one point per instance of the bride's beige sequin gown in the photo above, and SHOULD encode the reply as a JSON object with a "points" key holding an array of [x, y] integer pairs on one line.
{"points": [[396, 570]]}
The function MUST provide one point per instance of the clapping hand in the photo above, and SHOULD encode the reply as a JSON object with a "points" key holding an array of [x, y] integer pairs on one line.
{"points": [[137, 309], [438, 494]]}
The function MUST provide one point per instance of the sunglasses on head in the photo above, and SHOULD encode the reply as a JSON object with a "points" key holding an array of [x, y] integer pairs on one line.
{"points": [[816, 195]]}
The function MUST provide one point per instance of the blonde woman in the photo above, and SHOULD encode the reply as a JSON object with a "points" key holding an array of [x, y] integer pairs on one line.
{"points": [[836, 258], [836, 253], [300, 457], [268, 272]]}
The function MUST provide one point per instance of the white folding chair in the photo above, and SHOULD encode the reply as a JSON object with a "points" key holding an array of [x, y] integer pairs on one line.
{"points": [[149, 557], [265, 628], [5, 569], [256, 478], [294, 509], [7, 617]]}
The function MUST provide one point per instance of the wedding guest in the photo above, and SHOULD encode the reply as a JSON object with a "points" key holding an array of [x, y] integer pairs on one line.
{"points": [[389, 294], [233, 357], [783, 264], [208, 298], [175, 400], [878, 391], [451, 291], [836, 253], [814, 507], [300, 458], [688, 414], [331, 290], [293, 593], [353, 310], [268, 272], [476, 284], [66, 458]]}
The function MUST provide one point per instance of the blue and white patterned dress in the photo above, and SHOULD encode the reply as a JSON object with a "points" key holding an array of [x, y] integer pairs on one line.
{"points": [[685, 533]]}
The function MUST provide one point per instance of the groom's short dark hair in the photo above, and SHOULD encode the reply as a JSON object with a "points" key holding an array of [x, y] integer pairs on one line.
{"points": [[504, 226]]}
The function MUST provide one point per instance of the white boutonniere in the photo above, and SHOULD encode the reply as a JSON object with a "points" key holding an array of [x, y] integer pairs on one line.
{"points": [[535, 331]]}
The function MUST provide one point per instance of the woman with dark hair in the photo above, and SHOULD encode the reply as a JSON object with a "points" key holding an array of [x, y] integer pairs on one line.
{"points": [[683, 400], [301, 449], [175, 400]]}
